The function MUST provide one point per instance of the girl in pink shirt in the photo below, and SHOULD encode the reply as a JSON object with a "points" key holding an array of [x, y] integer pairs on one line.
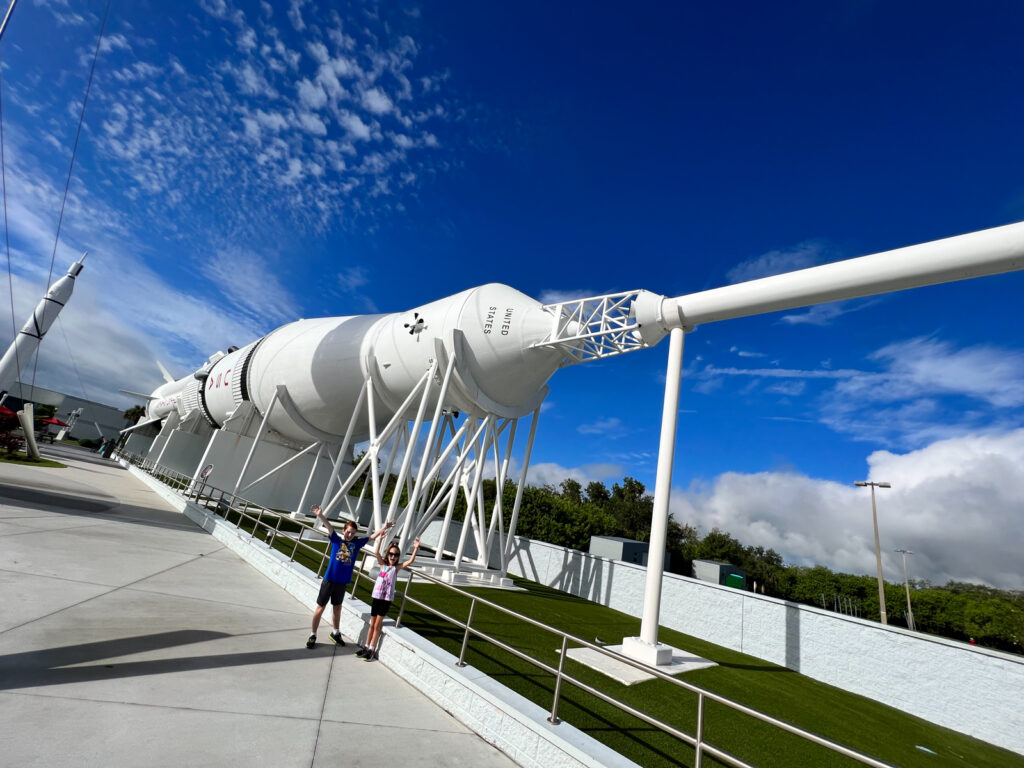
{"points": [[384, 593]]}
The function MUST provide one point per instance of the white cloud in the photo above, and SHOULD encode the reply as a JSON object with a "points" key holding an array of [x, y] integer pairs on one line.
{"points": [[745, 353], [955, 503], [610, 428], [806, 254], [311, 95], [377, 102], [927, 390], [550, 473], [352, 279], [312, 124], [251, 284], [557, 296], [355, 125], [295, 14]]}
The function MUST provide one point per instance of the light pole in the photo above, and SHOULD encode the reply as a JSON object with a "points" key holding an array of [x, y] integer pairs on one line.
{"points": [[906, 583], [878, 550]]}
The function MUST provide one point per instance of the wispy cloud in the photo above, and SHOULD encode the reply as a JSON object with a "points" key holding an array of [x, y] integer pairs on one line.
{"points": [[556, 296], [238, 132], [251, 285], [809, 253], [550, 473], [926, 390], [745, 353], [610, 427]]}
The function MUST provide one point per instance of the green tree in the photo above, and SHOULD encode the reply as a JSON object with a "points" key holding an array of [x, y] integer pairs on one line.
{"points": [[134, 413], [597, 493], [572, 491]]}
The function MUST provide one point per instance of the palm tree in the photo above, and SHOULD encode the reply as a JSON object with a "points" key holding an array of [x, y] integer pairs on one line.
{"points": [[134, 413]]}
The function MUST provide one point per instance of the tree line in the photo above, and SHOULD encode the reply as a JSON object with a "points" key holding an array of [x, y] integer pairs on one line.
{"points": [[571, 514]]}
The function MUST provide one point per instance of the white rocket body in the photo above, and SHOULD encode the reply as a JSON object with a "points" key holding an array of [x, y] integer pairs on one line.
{"points": [[27, 341], [323, 362], [506, 345]]}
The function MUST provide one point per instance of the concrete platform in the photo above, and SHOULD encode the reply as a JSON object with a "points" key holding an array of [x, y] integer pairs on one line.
{"points": [[627, 674], [129, 636]]}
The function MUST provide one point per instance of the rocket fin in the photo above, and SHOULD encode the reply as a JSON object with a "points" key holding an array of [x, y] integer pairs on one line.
{"points": [[137, 394], [167, 376]]}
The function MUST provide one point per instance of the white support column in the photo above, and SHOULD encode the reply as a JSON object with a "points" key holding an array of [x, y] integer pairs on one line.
{"points": [[646, 648], [309, 480], [255, 443], [519, 492], [345, 444]]}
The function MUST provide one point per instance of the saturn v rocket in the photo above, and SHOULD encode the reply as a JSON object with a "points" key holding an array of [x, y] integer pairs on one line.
{"points": [[507, 345], [287, 409]]}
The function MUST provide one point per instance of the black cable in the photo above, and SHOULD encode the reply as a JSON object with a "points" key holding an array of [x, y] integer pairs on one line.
{"points": [[7, 235], [73, 363], [71, 168]]}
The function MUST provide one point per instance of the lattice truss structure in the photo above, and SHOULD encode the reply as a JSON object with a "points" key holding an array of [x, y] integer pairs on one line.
{"points": [[595, 327], [433, 471]]}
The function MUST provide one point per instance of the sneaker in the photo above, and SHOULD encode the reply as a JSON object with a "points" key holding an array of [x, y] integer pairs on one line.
{"points": [[370, 656], [336, 637], [362, 652], [311, 641]]}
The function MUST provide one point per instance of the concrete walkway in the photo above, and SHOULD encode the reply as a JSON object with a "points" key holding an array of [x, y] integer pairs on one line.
{"points": [[129, 636]]}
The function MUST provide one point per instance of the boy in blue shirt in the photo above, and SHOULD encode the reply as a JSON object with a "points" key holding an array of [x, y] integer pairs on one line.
{"points": [[344, 550]]}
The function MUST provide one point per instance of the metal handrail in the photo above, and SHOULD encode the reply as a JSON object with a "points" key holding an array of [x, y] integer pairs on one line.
{"points": [[696, 741]]}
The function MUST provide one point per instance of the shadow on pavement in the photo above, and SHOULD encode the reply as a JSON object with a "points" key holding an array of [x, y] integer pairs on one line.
{"points": [[54, 666]]}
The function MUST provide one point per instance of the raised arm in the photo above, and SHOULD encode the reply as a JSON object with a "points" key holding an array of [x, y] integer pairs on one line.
{"points": [[376, 551], [323, 519], [381, 531], [412, 557]]}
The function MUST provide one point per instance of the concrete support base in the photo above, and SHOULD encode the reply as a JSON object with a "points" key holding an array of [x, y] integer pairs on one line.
{"points": [[659, 655]]}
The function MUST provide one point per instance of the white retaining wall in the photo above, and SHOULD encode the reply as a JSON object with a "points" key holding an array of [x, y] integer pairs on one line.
{"points": [[968, 689]]}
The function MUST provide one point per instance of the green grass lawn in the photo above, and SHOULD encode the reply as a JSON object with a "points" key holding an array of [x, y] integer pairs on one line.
{"points": [[21, 458], [854, 721]]}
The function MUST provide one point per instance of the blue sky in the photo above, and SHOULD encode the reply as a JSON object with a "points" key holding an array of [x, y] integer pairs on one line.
{"points": [[245, 164]]}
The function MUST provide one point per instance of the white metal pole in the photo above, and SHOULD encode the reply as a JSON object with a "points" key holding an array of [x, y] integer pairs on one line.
{"points": [[906, 583], [878, 559], [662, 491]]}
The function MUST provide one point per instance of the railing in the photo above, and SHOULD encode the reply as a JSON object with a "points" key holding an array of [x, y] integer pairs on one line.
{"points": [[225, 504], [273, 523]]}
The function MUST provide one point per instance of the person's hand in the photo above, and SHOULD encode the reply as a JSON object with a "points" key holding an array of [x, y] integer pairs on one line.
{"points": [[316, 510], [416, 544], [388, 524]]}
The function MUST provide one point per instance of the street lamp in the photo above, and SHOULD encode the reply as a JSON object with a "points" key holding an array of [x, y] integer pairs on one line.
{"points": [[878, 550], [906, 583]]}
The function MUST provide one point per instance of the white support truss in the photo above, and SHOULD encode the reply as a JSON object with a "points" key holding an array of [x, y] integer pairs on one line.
{"points": [[595, 328], [435, 459]]}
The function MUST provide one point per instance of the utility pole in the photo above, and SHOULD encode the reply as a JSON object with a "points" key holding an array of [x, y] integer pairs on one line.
{"points": [[906, 583], [878, 549]]}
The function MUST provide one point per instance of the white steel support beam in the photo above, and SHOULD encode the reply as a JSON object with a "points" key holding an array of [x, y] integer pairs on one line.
{"points": [[256, 441], [309, 480], [646, 648], [519, 493]]}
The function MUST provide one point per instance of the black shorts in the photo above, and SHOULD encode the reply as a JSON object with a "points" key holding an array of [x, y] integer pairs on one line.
{"points": [[380, 607], [333, 590]]}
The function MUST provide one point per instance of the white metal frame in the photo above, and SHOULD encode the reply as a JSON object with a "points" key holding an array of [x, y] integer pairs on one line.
{"points": [[454, 459], [595, 327]]}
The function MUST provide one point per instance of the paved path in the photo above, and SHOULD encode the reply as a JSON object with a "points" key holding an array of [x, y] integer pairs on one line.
{"points": [[129, 636]]}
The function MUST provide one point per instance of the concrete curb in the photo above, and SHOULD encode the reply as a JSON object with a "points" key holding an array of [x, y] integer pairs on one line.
{"points": [[512, 723]]}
